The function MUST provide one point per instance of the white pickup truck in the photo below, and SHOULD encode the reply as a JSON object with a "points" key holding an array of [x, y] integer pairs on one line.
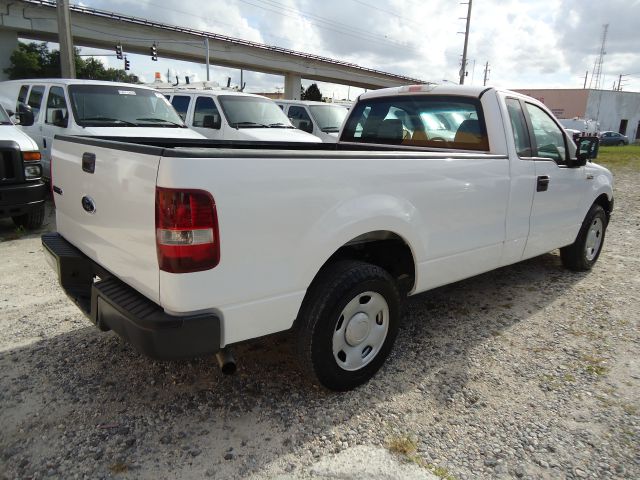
{"points": [[185, 248]]}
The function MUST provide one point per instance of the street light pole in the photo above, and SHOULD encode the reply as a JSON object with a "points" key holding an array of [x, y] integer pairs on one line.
{"points": [[463, 67]]}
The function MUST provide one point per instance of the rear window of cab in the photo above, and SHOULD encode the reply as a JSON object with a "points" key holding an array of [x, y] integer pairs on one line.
{"points": [[435, 121]]}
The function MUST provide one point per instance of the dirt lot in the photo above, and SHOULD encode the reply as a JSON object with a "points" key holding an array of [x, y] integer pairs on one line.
{"points": [[527, 372]]}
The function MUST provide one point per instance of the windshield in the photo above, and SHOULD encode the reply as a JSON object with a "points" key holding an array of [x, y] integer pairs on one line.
{"points": [[328, 117], [4, 118], [253, 112], [121, 106]]}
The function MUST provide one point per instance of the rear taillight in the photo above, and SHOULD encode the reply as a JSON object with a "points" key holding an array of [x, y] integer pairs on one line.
{"points": [[186, 230]]}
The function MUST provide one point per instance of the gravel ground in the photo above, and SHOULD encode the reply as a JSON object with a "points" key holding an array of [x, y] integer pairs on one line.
{"points": [[527, 372]]}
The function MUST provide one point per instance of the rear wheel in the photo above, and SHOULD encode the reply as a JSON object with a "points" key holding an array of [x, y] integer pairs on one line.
{"points": [[584, 252], [348, 323], [31, 220]]}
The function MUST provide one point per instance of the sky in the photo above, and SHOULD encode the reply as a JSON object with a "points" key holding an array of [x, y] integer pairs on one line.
{"points": [[528, 44]]}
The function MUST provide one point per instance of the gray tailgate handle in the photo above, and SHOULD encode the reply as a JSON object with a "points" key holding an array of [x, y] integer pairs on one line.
{"points": [[88, 162]]}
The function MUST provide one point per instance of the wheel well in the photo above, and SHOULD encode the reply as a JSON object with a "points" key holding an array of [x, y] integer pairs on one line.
{"points": [[604, 202], [385, 249]]}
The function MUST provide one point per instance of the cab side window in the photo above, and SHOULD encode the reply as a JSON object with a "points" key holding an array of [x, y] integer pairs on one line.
{"points": [[300, 118], [181, 104], [206, 114], [519, 128], [22, 95], [57, 112], [35, 99], [547, 135]]}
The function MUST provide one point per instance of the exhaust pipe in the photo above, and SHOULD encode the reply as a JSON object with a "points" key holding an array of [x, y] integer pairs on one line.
{"points": [[226, 361]]}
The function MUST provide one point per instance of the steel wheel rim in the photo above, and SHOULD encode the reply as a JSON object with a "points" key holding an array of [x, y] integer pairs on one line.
{"points": [[360, 331], [594, 239]]}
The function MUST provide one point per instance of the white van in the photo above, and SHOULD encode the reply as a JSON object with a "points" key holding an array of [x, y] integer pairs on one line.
{"points": [[318, 118], [227, 114], [48, 107]]}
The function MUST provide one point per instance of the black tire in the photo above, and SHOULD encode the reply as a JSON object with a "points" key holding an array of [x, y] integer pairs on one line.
{"points": [[31, 220], [621, 143], [579, 256], [336, 286]]}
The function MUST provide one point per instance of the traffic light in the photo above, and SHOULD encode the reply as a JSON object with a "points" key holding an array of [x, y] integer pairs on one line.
{"points": [[154, 52], [119, 51], [127, 64]]}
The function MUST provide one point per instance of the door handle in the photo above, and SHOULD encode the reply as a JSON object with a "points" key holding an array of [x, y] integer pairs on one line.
{"points": [[44, 142], [543, 183], [89, 162]]}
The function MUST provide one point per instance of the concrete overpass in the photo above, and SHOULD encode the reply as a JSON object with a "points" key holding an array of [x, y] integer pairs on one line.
{"points": [[36, 19]]}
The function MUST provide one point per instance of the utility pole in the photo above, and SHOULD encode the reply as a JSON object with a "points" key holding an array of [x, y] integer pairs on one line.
{"points": [[463, 67], [486, 73], [67, 59], [619, 89], [586, 75], [597, 67]]}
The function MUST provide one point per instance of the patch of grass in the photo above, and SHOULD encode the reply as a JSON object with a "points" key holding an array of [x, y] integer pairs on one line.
{"points": [[597, 369], [119, 467], [407, 447], [404, 446], [620, 157]]}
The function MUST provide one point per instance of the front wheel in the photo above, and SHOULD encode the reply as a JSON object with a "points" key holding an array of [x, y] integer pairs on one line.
{"points": [[348, 323], [584, 252]]}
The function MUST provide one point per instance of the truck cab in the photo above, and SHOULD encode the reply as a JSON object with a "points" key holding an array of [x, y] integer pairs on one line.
{"points": [[22, 191], [45, 108], [228, 114], [318, 118]]}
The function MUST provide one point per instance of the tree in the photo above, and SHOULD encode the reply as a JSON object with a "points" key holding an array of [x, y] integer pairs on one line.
{"points": [[312, 93], [34, 60]]}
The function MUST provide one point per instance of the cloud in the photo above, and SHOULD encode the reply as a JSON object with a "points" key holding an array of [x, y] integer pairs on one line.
{"points": [[527, 44]]}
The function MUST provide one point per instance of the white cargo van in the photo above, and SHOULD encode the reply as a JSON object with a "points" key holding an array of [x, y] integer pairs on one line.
{"points": [[48, 107], [318, 118], [227, 114]]}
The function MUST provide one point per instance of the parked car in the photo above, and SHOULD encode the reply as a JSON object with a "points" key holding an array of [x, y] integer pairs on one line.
{"points": [[22, 191], [227, 114], [185, 251], [318, 118], [49, 107], [613, 138]]}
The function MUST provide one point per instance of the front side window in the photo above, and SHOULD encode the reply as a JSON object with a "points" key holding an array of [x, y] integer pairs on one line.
{"points": [[57, 113], [252, 112], [181, 104], [35, 99], [206, 114], [439, 121], [22, 95], [519, 128], [547, 135], [299, 117], [121, 106]]}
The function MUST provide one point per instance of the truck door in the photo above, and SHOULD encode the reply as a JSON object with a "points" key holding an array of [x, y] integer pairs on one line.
{"points": [[55, 120], [555, 210]]}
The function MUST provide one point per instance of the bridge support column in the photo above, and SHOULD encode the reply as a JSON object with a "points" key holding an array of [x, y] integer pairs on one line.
{"points": [[8, 43], [292, 86]]}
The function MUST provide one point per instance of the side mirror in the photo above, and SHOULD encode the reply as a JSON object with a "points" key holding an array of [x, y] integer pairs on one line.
{"points": [[25, 115], [586, 150], [306, 126], [211, 121], [59, 120]]}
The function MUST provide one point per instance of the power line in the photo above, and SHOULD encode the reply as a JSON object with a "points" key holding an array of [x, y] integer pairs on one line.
{"points": [[327, 24], [368, 5]]}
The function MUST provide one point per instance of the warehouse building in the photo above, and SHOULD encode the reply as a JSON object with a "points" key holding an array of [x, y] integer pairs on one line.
{"points": [[613, 110]]}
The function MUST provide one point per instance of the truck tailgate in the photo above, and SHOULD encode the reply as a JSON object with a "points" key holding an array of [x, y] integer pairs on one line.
{"points": [[105, 206]]}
